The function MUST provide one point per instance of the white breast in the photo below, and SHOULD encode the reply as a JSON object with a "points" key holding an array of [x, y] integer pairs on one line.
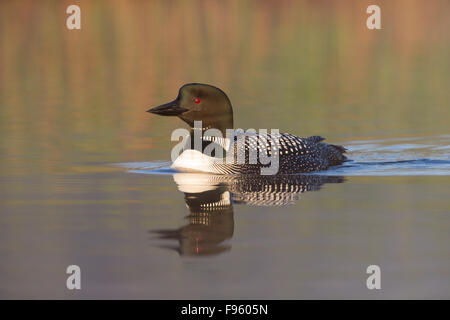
{"points": [[193, 160]]}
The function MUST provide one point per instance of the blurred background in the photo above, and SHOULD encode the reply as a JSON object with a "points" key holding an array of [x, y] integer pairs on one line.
{"points": [[305, 67], [73, 102]]}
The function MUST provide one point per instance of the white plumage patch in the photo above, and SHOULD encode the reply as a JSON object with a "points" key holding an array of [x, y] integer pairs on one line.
{"points": [[194, 160]]}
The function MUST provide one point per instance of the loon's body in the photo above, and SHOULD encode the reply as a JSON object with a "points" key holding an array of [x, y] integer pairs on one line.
{"points": [[211, 106]]}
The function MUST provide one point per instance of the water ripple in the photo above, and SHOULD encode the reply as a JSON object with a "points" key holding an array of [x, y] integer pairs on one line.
{"points": [[426, 156]]}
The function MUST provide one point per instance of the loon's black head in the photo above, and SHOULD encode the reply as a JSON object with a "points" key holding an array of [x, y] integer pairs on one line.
{"points": [[200, 102]]}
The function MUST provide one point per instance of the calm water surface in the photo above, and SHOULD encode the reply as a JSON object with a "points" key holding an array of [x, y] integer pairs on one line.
{"points": [[85, 176], [141, 231]]}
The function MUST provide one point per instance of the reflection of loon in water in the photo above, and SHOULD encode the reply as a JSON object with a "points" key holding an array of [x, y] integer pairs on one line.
{"points": [[210, 199]]}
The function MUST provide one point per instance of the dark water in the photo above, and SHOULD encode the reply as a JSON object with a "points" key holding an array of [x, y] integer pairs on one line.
{"points": [[85, 176]]}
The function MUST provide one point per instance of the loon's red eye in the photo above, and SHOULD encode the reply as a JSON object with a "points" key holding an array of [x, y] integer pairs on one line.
{"points": [[197, 100]]}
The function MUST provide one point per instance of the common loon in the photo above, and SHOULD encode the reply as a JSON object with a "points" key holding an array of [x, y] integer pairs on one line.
{"points": [[210, 105]]}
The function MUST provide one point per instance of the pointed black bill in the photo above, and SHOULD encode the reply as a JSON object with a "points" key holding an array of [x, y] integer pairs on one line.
{"points": [[168, 109]]}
